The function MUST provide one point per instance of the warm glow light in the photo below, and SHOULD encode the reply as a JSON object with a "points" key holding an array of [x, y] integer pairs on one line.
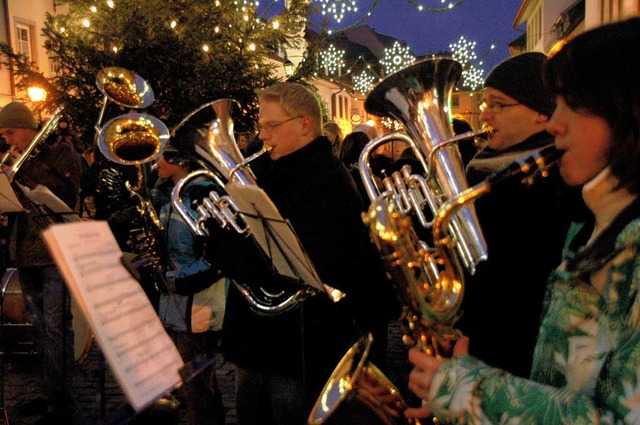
{"points": [[111, 4], [205, 47], [93, 9], [252, 47], [275, 24], [37, 94], [173, 23]]}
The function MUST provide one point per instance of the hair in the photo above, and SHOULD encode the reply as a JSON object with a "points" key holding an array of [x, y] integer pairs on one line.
{"points": [[596, 73], [352, 146], [295, 99], [334, 128]]}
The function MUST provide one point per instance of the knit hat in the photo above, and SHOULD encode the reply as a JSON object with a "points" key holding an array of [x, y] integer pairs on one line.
{"points": [[520, 77], [17, 115]]}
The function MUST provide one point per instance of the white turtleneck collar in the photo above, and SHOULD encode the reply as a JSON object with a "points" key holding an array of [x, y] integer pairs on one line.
{"points": [[604, 201]]}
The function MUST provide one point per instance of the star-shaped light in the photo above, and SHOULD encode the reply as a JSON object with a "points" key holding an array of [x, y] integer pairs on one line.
{"points": [[396, 58], [363, 82], [332, 60]]}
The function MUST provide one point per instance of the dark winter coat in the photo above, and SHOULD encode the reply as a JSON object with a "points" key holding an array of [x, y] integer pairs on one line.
{"points": [[524, 227], [56, 165], [313, 190]]}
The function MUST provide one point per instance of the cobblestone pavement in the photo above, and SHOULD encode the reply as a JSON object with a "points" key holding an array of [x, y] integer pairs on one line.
{"points": [[106, 404]]}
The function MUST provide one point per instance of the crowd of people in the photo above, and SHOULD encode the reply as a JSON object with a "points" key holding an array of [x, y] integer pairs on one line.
{"points": [[563, 255]]}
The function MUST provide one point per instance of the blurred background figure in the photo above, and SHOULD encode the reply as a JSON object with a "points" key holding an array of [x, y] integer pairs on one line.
{"points": [[367, 129], [192, 307], [243, 142], [333, 132]]}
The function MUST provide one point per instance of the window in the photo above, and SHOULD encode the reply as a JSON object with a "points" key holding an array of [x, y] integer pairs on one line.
{"points": [[23, 40]]}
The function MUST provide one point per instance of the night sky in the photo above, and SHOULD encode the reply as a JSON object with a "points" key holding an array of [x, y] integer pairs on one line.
{"points": [[486, 22]]}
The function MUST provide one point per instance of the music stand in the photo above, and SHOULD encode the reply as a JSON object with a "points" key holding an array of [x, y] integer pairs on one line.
{"points": [[276, 237]]}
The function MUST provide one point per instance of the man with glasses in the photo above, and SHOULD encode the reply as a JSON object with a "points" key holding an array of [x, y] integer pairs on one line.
{"points": [[284, 360], [524, 226]]}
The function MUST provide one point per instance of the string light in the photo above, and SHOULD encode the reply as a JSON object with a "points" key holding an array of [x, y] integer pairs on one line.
{"points": [[337, 8]]}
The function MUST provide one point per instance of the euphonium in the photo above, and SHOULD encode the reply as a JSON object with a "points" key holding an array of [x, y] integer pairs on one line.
{"points": [[425, 305], [428, 281], [218, 153]]}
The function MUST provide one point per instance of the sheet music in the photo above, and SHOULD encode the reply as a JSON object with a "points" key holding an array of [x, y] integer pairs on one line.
{"points": [[44, 196], [8, 200], [280, 242], [136, 346]]}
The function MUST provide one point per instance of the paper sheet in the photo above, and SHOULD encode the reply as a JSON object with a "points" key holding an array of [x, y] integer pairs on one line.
{"points": [[135, 344], [278, 240], [8, 199], [42, 195]]}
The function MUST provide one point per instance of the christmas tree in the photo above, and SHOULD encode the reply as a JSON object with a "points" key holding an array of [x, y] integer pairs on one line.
{"points": [[190, 52]]}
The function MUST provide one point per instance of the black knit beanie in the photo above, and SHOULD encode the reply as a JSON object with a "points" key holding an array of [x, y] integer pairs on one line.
{"points": [[520, 77]]}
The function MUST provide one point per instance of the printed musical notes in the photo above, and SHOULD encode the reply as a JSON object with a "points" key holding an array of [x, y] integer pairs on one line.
{"points": [[140, 353]]}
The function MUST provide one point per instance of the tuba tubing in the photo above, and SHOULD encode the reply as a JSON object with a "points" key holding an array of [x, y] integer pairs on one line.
{"points": [[223, 163], [419, 97]]}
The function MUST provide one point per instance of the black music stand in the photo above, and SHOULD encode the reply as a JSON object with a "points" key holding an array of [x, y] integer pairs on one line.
{"points": [[276, 237]]}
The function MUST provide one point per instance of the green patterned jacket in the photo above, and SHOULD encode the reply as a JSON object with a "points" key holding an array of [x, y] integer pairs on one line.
{"points": [[586, 368]]}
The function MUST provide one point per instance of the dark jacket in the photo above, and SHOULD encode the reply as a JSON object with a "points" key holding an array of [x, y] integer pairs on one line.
{"points": [[56, 165], [524, 227], [313, 190]]}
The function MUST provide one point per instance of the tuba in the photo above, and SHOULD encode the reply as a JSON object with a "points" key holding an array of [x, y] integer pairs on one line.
{"points": [[223, 163]]}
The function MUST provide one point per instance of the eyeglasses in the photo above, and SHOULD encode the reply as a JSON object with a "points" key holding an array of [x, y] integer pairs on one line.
{"points": [[495, 107], [270, 126]]}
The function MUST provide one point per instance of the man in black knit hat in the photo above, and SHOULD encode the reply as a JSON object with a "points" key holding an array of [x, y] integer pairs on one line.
{"points": [[524, 226]]}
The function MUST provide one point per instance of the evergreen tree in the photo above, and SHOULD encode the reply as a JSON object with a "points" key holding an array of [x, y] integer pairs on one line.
{"points": [[189, 51]]}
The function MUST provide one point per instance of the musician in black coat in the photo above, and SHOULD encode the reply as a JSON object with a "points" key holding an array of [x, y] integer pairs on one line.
{"points": [[524, 226], [284, 361]]}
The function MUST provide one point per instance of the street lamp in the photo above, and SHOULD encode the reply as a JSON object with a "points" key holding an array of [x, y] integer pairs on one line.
{"points": [[37, 94]]}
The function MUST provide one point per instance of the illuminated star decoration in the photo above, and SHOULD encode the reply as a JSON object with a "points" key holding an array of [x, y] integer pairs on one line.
{"points": [[363, 82], [464, 52], [337, 8], [396, 58], [331, 60]]}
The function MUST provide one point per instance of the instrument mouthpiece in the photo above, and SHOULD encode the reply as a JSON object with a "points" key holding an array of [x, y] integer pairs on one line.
{"points": [[526, 167]]}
